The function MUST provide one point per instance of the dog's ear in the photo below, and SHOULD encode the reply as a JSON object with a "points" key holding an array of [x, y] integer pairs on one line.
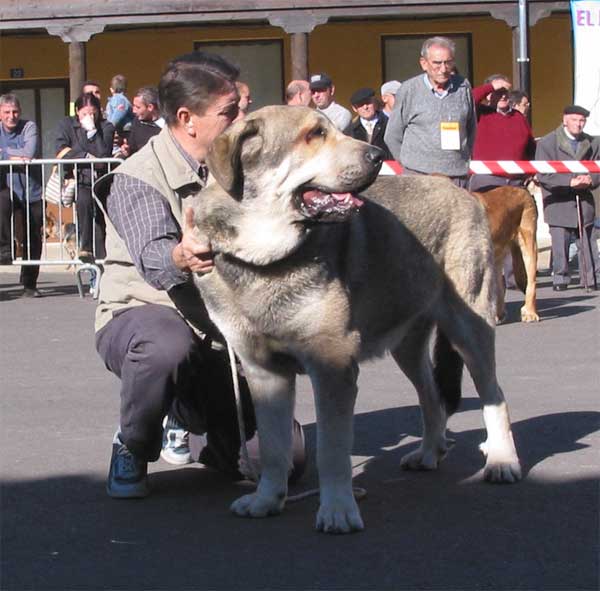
{"points": [[225, 155]]}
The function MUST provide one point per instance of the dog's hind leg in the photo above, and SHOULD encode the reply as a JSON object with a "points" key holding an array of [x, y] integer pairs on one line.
{"points": [[473, 337], [527, 244], [335, 395], [273, 395], [412, 356]]}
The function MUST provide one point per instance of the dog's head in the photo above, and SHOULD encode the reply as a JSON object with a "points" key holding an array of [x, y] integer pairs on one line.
{"points": [[295, 159]]}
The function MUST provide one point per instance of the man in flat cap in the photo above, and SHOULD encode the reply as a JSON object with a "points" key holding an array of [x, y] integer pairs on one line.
{"points": [[562, 191], [370, 124], [322, 91]]}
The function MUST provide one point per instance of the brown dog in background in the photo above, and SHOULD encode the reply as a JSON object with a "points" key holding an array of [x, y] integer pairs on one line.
{"points": [[512, 215]]}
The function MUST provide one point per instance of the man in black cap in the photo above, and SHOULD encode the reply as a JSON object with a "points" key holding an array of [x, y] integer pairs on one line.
{"points": [[370, 124], [561, 193], [322, 91]]}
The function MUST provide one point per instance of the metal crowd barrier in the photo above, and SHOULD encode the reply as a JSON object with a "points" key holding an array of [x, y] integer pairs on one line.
{"points": [[60, 223]]}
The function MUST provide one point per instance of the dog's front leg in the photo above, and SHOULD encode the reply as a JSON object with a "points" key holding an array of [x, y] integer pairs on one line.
{"points": [[335, 395], [273, 395]]}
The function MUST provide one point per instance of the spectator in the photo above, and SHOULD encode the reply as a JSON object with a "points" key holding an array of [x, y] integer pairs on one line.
{"points": [[88, 136], [370, 124], [20, 142], [298, 93], [147, 123], [502, 134], [322, 91], [166, 368], [92, 87], [432, 130], [245, 99], [119, 111], [559, 193], [388, 96], [482, 95], [519, 101]]}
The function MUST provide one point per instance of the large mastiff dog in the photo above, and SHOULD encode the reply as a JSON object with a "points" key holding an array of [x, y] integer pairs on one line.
{"points": [[311, 277]]}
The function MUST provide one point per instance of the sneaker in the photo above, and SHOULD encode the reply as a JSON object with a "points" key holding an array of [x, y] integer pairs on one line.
{"points": [[175, 443], [31, 292], [128, 475]]}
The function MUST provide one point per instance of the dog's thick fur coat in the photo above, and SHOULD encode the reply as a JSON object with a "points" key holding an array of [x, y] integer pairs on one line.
{"points": [[291, 292], [512, 215]]}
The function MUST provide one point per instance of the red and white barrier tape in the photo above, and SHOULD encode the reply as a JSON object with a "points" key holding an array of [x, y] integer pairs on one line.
{"points": [[510, 167]]}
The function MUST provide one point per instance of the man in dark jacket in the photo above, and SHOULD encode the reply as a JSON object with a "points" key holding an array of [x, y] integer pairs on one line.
{"points": [[370, 124], [147, 123], [560, 192]]}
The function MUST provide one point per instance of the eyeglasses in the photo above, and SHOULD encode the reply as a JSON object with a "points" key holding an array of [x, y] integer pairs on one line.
{"points": [[437, 65]]}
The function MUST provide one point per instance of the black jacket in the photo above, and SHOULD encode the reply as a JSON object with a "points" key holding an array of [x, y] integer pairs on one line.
{"points": [[358, 132], [141, 132], [70, 134]]}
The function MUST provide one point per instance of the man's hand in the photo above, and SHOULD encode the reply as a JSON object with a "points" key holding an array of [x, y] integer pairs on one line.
{"points": [[192, 254], [581, 181]]}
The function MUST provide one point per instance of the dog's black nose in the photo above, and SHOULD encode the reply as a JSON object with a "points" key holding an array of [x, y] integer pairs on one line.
{"points": [[374, 155]]}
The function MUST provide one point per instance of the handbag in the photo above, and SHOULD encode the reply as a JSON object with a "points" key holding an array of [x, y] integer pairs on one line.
{"points": [[57, 190]]}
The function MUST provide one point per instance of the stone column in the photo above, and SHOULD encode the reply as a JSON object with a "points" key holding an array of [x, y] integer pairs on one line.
{"points": [[76, 35], [298, 25]]}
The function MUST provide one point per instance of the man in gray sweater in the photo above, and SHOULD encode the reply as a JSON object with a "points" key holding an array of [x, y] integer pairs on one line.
{"points": [[432, 127]]}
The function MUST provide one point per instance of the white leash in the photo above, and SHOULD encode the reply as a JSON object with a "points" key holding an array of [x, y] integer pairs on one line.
{"points": [[359, 493]]}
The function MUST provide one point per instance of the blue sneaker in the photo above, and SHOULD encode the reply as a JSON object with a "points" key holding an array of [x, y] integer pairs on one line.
{"points": [[175, 443], [128, 475]]}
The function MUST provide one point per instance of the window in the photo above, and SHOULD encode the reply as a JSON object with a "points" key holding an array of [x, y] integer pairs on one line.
{"points": [[260, 63]]}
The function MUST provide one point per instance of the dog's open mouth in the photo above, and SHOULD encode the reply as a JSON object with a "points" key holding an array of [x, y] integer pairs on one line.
{"points": [[316, 204]]}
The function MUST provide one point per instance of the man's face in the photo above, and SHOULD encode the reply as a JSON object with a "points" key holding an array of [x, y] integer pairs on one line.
{"points": [[365, 110], [574, 124], [503, 103], [304, 96], [9, 116], [322, 98], [143, 111], [215, 120], [95, 90], [438, 65]]}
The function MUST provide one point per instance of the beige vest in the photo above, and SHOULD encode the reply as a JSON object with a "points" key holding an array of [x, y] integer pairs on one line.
{"points": [[161, 165]]}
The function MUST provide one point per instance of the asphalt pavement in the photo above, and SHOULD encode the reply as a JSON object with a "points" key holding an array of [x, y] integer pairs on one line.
{"points": [[444, 530]]}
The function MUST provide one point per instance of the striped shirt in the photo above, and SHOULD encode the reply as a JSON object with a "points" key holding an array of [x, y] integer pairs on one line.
{"points": [[143, 219]]}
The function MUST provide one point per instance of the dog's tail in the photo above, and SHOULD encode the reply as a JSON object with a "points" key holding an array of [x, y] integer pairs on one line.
{"points": [[447, 372]]}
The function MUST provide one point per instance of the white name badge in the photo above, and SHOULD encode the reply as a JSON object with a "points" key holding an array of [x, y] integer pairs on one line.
{"points": [[450, 135]]}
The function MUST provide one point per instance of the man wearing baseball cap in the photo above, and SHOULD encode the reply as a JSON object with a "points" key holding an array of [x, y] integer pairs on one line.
{"points": [[322, 91], [568, 201]]}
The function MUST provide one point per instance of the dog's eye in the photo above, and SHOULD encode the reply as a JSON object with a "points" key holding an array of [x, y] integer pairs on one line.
{"points": [[317, 132]]}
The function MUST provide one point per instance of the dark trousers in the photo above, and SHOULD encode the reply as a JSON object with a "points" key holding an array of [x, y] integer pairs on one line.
{"points": [[561, 239], [166, 369], [32, 234], [92, 227]]}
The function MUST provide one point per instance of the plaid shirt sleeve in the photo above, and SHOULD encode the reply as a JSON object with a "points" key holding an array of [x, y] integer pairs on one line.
{"points": [[143, 219]]}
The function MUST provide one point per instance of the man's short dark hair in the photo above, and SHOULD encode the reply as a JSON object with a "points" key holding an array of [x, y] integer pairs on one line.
{"points": [[191, 80], [516, 96], [148, 94]]}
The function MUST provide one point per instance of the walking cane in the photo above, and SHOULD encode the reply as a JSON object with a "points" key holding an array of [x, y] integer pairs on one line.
{"points": [[582, 246]]}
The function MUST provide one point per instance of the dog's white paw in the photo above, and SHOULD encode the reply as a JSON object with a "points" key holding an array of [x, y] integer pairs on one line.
{"points": [[426, 458], [527, 316], [255, 505], [340, 517], [500, 467]]}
